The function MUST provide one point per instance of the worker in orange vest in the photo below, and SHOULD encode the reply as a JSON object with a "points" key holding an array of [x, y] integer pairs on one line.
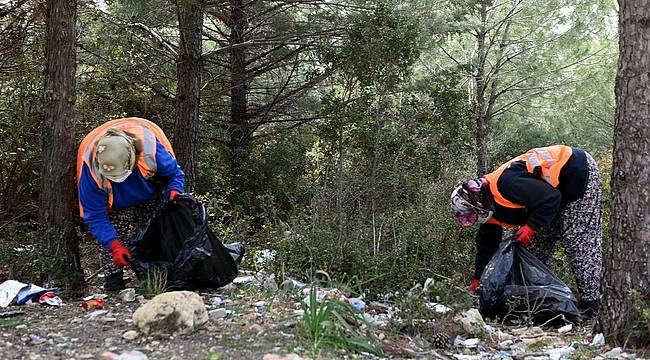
{"points": [[122, 167], [551, 194]]}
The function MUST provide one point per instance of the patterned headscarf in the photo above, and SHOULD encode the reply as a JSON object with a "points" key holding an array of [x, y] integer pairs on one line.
{"points": [[470, 204]]}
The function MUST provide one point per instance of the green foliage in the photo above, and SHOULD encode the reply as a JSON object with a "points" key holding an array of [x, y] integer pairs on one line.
{"points": [[154, 284], [333, 324], [640, 317]]}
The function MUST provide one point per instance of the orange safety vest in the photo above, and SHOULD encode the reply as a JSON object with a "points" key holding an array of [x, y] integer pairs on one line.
{"points": [[143, 131], [549, 160]]}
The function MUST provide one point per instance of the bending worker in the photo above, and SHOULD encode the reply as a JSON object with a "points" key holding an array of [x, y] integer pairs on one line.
{"points": [[122, 167], [554, 195]]}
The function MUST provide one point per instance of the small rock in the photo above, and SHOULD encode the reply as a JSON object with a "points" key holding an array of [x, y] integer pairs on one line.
{"points": [[505, 344], [531, 342], [21, 326], [176, 312], [278, 357], [127, 295], [96, 314], [471, 321], [471, 343], [270, 285], [107, 355], [255, 328], [535, 357], [565, 329], [129, 355], [218, 314], [534, 331], [502, 336], [381, 336], [599, 340], [561, 353], [109, 319], [130, 335], [615, 353]]}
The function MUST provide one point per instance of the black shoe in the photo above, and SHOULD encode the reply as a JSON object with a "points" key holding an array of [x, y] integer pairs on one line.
{"points": [[588, 309], [114, 282]]}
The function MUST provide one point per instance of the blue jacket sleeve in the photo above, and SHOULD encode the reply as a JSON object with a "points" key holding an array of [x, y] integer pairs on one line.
{"points": [[94, 202], [169, 168]]}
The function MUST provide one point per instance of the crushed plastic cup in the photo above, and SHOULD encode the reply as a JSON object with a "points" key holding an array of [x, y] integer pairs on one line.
{"points": [[358, 304], [50, 298], [93, 304]]}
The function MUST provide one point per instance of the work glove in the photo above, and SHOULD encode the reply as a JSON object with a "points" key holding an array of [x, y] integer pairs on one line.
{"points": [[172, 195], [474, 285], [121, 255], [525, 234]]}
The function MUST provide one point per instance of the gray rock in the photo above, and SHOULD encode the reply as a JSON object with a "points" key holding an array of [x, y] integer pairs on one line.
{"points": [[127, 295], [471, 321], [176, 312], [130, 335], [615, 353], [218, 314]]}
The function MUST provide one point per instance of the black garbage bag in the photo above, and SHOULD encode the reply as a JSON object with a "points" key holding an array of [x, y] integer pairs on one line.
{"points": [[515, 283], [177, 242]]}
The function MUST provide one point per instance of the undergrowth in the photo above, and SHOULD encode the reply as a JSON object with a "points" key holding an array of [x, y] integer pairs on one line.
{"points": [[335, 324]]}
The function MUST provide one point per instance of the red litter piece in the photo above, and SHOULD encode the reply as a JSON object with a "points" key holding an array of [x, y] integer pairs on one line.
{"points": [[93, 304], [50, 298]]}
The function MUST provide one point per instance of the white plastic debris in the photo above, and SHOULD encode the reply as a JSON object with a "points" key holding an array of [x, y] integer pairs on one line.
{"points": [[471, 343], [565, 329], [599, 340], [439, 308]]}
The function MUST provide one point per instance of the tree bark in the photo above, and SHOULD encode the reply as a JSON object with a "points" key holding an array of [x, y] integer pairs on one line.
{"points": [[628, 253], [481, 130], [188, 73], [57, 199], [239, 143]]}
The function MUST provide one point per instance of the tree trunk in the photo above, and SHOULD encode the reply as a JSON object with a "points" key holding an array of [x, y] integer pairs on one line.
{"points": [[239, 144], [481, 130], [57, 198], [188, 73], [628, 253]]}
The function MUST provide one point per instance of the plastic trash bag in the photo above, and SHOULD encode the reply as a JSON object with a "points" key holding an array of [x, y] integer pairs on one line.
{"points": [[177, 242], [516, 283]]}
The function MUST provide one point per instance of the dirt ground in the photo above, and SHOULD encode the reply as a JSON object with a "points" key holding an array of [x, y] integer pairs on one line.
{"points": [[70, 333]]}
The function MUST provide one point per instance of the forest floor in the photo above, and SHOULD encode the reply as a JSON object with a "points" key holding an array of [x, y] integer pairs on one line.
{"points": [[254, 323]]}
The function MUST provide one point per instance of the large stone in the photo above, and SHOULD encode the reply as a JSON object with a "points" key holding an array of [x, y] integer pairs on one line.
{"points": [[472, 322], [176, 312]]}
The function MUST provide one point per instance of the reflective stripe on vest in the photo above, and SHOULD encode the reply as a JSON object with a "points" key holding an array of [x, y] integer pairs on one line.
{"points": [[549, 160], [144, 132]]}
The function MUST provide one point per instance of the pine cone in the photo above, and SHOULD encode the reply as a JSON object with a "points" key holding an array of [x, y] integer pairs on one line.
{"points": [[440, 341]]}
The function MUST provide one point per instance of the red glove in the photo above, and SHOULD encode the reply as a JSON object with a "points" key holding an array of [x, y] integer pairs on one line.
{"points": [[121, 255], [172, 195], [525, 234], [475, 283]]}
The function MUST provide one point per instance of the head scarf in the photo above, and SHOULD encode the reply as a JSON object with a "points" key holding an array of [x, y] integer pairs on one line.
{"points": [[470, 204], [115, 155]]}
